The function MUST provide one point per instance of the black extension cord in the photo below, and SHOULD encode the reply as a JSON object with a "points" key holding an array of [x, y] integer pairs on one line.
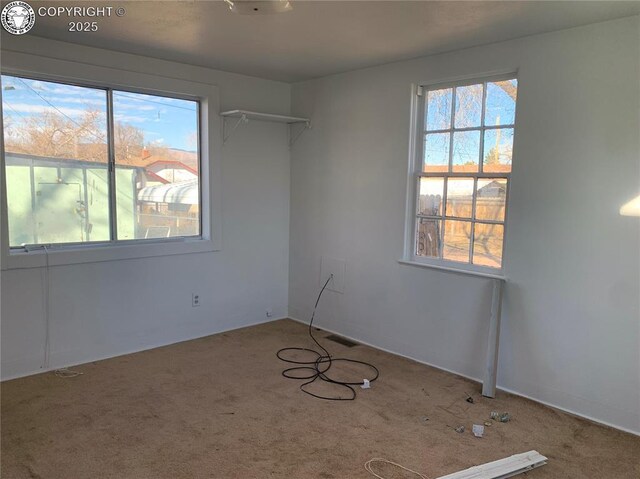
{"points": [[316, 371]]}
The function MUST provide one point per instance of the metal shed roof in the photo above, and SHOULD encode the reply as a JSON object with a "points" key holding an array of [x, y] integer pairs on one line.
{"points": [[185, 193]]}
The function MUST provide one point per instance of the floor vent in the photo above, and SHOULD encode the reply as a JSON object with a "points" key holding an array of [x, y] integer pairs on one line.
{"points": [[339, 339]]}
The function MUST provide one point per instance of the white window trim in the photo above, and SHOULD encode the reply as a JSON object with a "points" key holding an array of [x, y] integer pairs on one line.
{"points": [[415, 156], [210, 157]]}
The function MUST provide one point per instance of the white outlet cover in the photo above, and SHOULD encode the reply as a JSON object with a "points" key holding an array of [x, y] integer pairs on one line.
{"points": [[335, 266]]}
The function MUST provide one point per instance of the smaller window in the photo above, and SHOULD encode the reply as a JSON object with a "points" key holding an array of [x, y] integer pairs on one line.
{"points": [[462, 173]]}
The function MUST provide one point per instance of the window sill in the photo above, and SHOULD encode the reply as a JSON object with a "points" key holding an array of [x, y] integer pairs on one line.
{"points": [[452, 269], [61, 255]]}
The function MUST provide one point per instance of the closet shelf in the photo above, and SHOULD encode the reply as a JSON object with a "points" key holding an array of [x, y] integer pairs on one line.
{"points": [[244, 116], [254, 115]]}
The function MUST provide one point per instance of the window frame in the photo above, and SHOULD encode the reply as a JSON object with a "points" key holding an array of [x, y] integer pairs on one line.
{"points": [[92, 76], [416, 158]]}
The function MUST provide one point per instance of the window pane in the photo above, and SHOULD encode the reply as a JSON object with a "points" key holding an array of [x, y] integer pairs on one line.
{"points": [[487, 244], [56, 162], [468, 106], [501, 103], [428, 238], [430, 198], [466, 151], [490, 199], [436, 152], [460, 197], [457, 240], [438, 110], [498, 150], [157, 166]]}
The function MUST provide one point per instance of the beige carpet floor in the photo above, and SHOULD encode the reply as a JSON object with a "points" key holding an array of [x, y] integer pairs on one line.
{"points": [[218, 407]]}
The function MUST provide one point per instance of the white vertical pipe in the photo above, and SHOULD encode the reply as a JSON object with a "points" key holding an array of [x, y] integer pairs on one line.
{"points": [[491, 365]]}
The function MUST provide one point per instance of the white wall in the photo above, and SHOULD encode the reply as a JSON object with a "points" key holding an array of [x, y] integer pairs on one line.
{"points": [[571, 317], [104, 309]]}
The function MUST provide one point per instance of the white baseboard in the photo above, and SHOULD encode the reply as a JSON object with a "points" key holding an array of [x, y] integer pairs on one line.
{"points": [[85, 360], [507, 390]]}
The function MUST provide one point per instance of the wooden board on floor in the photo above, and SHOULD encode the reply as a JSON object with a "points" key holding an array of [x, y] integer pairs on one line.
{"points": [[502, 468]]}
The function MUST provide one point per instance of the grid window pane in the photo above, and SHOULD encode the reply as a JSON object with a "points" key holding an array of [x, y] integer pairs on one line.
{"points": [[55, 162], [466, 151], [501, 103], [157, 177], [430, 196], [436, 152], [458, 203], [460, 197], [491, 195], [457, 240], [487, 244], [498, 150], [468, 106], [438, 114], [428, 238]]}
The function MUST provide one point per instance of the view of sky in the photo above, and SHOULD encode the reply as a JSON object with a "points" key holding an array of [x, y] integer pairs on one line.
{"points": [[164, 121], [498, 105]]}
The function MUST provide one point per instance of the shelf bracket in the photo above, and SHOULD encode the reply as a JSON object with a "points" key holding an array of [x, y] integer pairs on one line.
{"points": [[307, 126], [226, 135]]}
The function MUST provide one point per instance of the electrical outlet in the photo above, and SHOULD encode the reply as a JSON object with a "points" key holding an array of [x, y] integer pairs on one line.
{"points": [[195, 300], [336, 267], [269, 313]]}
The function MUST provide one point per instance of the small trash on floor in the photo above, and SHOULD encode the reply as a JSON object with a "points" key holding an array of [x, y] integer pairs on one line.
{"points": [[487, 423], [424, 419], [365, 384], [500, 416], [459, 429], [478, 430], [469, 398]]}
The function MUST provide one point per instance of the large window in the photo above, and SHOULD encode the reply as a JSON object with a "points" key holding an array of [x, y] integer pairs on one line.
{"points": [[461, 173], [98, 165]]}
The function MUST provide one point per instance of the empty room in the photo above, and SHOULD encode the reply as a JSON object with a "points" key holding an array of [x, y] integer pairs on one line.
{"points": [[320, 239]]}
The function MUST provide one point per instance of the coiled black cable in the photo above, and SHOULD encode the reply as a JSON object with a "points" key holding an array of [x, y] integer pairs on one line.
{"points": [[318, 368]]}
